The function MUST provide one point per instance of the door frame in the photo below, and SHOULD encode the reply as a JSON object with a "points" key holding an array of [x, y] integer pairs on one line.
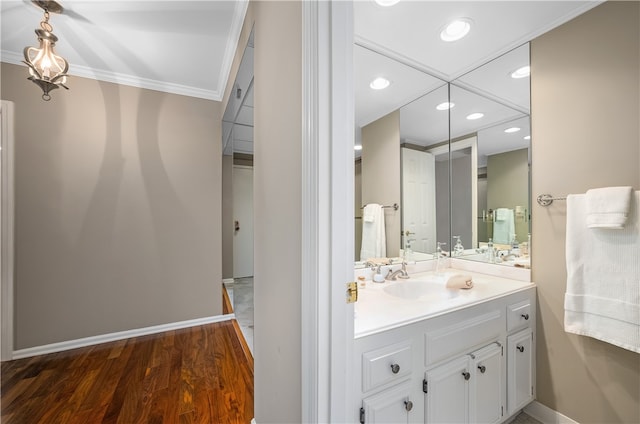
{"points": [[327, 212], [7, 232]]}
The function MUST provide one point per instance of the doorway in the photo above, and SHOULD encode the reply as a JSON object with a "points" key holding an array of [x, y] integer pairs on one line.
{"points": [[6, 230]]}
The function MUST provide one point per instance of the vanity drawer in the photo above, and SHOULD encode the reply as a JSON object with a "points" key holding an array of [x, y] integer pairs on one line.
{"points": [[446, 339], [384, 365], [519, 315]]}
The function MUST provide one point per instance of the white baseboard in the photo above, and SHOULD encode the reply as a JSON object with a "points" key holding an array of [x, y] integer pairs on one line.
{"points": [[228, 281], [104, 338], [546, 415]]}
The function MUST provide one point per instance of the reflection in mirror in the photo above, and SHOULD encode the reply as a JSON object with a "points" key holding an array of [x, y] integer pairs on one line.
{"points": [[424, 133], [237, 192], [491, 197], [379, 130]]}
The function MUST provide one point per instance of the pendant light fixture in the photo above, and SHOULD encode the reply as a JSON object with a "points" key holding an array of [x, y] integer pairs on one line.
{"points": [[46, 68]]}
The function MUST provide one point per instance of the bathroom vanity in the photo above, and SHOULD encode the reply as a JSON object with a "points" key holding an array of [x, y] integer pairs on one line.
{"points": [[427, 354]]}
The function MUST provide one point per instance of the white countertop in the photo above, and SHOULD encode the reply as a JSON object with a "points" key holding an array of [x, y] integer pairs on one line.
{"points": [[377, 311]]}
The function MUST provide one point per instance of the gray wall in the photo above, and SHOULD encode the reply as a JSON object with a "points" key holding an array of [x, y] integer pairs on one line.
{"points": [[585, 107], [117, 202], [461, 205], [277, 206], [227, 216], [381, 173]]}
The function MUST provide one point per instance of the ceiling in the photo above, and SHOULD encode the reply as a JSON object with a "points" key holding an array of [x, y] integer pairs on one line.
{"points": [[186, 47], [182, 47]]}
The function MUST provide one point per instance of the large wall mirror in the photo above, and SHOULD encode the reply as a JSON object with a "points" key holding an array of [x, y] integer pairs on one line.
{"points": [[456, 155], [386, 119], [490, 189]]}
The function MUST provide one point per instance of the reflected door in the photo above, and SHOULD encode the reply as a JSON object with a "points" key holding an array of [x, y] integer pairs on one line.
{"points": [[243, 221], [418, 200]]}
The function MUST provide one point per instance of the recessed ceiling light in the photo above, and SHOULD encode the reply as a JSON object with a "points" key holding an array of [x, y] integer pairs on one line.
{"points": [[456, 29], [386, 3], [445, 106], [528, 137], [521, 72], [379, 83], [476, 115], [357, 147], [512, 130]]}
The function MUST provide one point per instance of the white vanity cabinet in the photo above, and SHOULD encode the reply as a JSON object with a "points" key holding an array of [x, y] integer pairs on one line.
{"points": [[473, 364]]}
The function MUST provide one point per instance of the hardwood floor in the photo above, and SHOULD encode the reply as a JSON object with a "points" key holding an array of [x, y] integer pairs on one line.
{"points": [[196, 375]]}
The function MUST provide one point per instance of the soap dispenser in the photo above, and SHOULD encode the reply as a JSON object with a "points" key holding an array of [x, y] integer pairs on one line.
{"points": [[439, 256], [458, 249]]}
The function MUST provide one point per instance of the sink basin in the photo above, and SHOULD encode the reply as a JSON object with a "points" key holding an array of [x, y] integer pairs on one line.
{"points": [[420, 290]]}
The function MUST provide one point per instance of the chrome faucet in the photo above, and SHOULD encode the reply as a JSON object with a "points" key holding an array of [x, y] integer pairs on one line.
{"points": [[401, 273]]}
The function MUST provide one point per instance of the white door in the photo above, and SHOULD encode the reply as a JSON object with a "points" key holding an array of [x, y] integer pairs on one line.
{"points": [[487, 385], [392, 406], [243, 221], [448, 393], [520, 372], [419, 200]]}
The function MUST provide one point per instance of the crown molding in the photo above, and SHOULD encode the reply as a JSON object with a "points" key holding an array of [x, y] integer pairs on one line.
{"points": [[237, 22], [123, 79]]}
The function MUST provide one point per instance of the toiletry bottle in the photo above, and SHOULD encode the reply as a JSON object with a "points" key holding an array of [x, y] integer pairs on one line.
{"points": [[491, 254]]}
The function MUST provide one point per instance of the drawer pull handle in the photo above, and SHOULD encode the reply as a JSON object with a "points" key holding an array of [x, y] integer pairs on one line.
{"points": [[482, 368], [520, 348], [466, 375], [525, 316], [408, 405], [395, 368]]}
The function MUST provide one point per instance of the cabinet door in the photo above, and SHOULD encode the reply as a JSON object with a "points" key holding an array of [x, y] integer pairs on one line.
{"points": [[487, 385], [520, 370], [389, 406], [447, 397]]}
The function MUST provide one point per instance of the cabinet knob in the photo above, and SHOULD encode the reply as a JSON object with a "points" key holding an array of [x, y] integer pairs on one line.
{"points": [[520, 348], [395, 368], [482, 368], [525, 316], [408, 405], [466, 375]]}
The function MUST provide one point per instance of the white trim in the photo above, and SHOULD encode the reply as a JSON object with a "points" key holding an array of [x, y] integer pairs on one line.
{"points": [[312, 340], [546, 415], [120, 335], [232, 45], [124, 79], [6, 230], [327, 211], [228, 281]]}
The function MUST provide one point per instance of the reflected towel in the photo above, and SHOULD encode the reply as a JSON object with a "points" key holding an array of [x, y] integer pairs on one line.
{"points": [[603, 277], [504, 229], [374, 242], [608, 207]]}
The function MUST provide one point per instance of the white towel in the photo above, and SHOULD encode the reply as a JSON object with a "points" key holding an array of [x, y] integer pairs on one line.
{"points": [[608, 207], [374, 243], [603, 277], [504, 227]]}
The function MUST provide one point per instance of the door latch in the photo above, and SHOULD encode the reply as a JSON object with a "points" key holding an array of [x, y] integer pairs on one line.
{"points": [[352, 292]]}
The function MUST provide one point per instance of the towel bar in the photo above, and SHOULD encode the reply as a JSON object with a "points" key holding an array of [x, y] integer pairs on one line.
{"points": [[395, 207], [547, 199]]}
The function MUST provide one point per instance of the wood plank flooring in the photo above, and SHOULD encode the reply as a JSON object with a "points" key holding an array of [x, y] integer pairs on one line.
{"points": [[196, 375]]}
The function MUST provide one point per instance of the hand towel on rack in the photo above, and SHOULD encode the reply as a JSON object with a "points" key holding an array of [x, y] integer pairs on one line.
{"points": [[374, 243], [603, 277], [504, 226], [608, 207]]}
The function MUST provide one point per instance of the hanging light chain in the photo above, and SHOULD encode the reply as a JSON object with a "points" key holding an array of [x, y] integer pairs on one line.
{"points": [[45, 25]]}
